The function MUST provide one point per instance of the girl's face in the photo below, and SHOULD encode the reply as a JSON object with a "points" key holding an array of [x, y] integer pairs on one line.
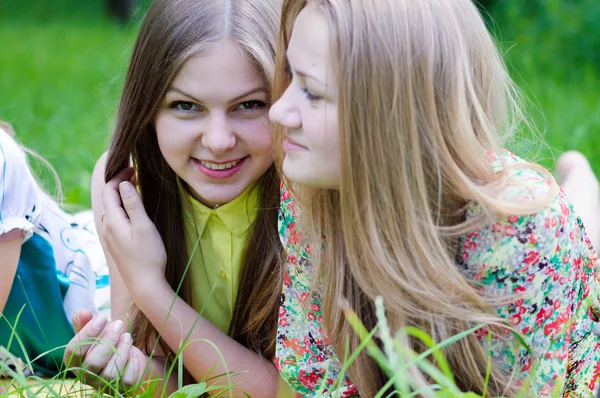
{"points": [[308, 108], [213, 127]]}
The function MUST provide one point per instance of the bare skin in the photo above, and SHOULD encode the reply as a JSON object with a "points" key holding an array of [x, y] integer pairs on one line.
{"points": [[580, 184]]}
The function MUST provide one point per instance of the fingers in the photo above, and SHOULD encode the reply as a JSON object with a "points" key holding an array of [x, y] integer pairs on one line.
{"points": [[115, 366], [81, 318], [132, 202], [101, 351], [125, 365], [132, 375], [79, 345], [111, 202]]}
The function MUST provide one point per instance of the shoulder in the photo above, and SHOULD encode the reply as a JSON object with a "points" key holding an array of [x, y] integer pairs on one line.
{"points": [[545, 255], [527, 245], [19, 193], [10, 152], [522, 181]]}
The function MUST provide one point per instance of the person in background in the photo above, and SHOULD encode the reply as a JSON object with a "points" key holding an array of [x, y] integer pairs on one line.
{"points": [[52, 265]]}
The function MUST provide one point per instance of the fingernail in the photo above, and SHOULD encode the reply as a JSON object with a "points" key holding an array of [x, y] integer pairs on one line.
{"points": [[126, 188], [100, 321], [117, 325], [127, 338]]}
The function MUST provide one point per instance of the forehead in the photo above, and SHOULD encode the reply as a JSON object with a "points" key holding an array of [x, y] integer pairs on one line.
{"points": [[310, 36], [221, 71]]}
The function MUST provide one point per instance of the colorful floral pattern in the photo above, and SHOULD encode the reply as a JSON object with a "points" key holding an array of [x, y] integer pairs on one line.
{"points": [[304, 356], [544, 263]]}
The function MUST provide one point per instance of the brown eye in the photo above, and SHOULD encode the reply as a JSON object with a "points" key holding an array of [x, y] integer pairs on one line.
{"points": [[183, 106], [251, 105]]}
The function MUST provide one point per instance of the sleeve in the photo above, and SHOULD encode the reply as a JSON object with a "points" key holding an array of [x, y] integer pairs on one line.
{"points": [[19, 193], [545, 265], [583, 366]]}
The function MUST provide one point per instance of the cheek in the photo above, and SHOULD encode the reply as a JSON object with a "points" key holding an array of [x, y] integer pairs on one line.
{"points": [[322, 133], [174, 135], [331, 131], [257, 137]]}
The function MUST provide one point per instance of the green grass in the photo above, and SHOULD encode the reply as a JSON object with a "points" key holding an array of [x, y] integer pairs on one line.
{"points": [[566, 114], [63, 64], [551, 48]]}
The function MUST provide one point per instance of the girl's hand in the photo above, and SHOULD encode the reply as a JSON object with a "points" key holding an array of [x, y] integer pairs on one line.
{"points": [[103, 352], [131, 237]]}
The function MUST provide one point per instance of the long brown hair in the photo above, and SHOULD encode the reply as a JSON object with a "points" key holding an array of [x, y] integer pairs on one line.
{"points": [[172, 32], [423, 97]]}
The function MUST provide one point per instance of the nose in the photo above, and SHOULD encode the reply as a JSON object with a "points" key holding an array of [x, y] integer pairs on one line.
{"points": [[284, 112], [218, 136]]}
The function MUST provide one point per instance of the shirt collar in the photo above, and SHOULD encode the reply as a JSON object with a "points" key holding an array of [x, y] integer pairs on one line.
{"points": [[237, 216]]}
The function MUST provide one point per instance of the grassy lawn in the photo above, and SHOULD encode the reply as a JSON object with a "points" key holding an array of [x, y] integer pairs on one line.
{"points": [[63, 64]]}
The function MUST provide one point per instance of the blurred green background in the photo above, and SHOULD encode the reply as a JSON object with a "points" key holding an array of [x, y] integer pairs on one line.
{"points": [[62, 64]]}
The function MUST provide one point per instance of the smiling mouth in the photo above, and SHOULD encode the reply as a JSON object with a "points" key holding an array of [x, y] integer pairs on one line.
{"points": [[220, 166]]}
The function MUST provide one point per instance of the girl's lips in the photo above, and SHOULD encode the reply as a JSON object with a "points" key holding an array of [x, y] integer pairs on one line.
{"points": [[220, 174], [290, 146]]}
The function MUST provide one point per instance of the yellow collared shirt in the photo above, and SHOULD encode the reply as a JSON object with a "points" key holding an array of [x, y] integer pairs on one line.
{"points": [[216, 261]]}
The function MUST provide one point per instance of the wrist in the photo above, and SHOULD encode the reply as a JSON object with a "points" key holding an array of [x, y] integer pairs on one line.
{"points": [[149, 290], [146, 283]]}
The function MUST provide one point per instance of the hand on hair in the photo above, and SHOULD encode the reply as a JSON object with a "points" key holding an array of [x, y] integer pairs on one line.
{"points": [[103, 352], [131, 237]]}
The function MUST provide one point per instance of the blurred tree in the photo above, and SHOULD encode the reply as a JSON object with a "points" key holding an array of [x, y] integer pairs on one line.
{"points": [[484, 4], [121, 10]]}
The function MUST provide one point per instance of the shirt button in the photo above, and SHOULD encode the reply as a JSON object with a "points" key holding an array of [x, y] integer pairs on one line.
{"points": [[223, 275]]}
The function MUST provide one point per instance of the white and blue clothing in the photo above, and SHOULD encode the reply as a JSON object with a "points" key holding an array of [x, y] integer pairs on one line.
{"points": [[61, 269]]}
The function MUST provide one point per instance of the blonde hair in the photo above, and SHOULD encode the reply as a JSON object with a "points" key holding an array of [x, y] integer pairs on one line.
{"points": [[58, 193], [423, 97]]}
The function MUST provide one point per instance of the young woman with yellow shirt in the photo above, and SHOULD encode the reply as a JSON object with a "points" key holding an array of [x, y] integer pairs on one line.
{"points": [[194, 120]]}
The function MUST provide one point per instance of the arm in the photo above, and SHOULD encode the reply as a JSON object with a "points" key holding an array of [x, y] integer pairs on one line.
{"points": [[119, 295], [542, 262], [19, 209], [120, 299], [139, 253], [10, 251], [260, 377], [584, 350]]}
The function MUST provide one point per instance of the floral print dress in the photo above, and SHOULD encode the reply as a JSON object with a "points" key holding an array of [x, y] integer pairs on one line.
{"points": [[544, 261]]}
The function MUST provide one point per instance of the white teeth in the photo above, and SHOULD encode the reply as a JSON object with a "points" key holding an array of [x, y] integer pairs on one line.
{"points": [[223, 166]]}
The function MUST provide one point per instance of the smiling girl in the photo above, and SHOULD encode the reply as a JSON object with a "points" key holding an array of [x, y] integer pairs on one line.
{"points": [[395, 113], [194, 119]]}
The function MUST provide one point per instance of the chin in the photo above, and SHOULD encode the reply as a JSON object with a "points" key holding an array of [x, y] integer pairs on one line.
{"points": [[210, 197], [224, 198], [294, 170], [309, 178]]}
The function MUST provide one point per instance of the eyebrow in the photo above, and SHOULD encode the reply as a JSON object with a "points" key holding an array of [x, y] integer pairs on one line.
{"points": [[246, 94], [304, 75], [307, 76]]}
